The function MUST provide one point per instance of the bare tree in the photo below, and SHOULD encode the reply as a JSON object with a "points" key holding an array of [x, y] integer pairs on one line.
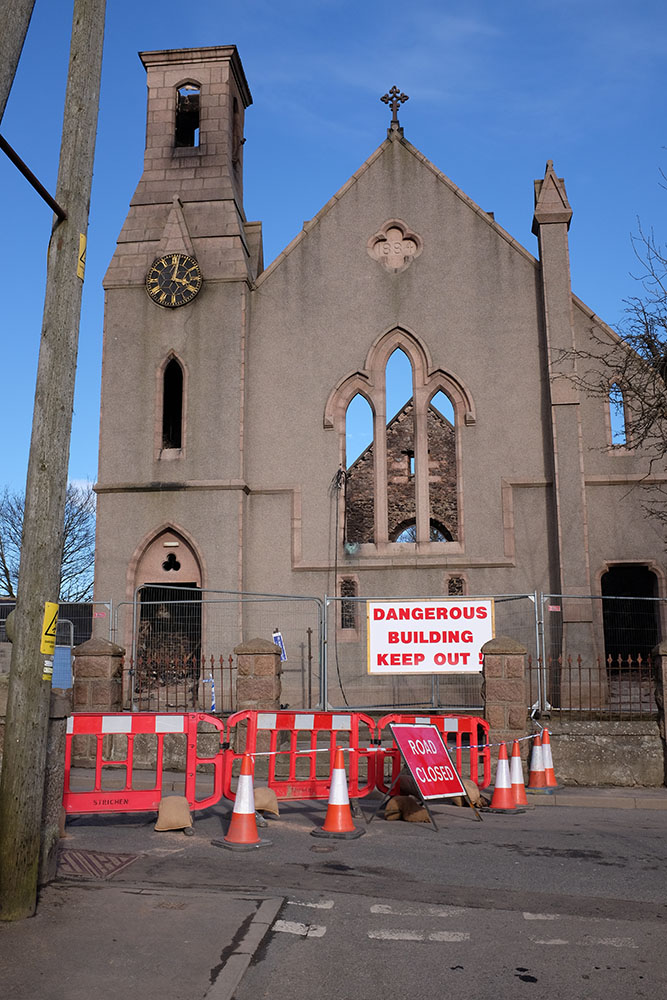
{"points": [[630, 369], [76, 569]]}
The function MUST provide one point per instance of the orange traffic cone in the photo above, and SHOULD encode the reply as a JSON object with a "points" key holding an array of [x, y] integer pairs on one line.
{"points": [[338, 822], [537, 782], [503, 795], [516, 776], [242, 834], [549, 775]]}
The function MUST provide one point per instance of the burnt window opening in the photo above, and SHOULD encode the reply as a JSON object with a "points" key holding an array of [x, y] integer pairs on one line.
{"points": [[407, 532], [171, 562], [172, 405], [348, 609], [456, 586], [407, 448], [187, 115]]}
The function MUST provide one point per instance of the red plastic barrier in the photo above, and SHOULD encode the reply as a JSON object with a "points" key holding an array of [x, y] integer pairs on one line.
{"points": [[129, 798], [459, 732], [297, 742], [300, 754]]}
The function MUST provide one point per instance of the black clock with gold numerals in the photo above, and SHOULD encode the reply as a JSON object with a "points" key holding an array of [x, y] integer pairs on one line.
{"points": [[173, 280]]}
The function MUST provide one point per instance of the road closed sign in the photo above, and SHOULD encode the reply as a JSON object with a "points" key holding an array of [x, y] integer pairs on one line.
{"points": [[427, 758], [428, 637]]}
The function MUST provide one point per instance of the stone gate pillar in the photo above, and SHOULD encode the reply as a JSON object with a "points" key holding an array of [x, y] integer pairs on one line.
{"points": [[257, 688], [505, 689], [258, 676], [97, 672]]}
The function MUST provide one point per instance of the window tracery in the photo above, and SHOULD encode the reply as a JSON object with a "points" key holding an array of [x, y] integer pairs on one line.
{"points": [[405, 481]]}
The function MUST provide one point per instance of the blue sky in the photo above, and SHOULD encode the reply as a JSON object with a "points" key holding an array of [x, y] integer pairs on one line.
{"points": [[495, 90]]}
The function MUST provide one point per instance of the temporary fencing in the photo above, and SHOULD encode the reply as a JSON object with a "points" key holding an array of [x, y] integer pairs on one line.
{"points": [[464, 735], [595, 656], [180, 641], [105, 795], [300, 749], [349, 688]]}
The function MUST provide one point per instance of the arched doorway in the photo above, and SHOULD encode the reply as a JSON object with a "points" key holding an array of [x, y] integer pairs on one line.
{"points": [[631, 632], [168, 622]]}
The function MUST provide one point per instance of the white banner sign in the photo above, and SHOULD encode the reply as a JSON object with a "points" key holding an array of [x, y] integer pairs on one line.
{"points": [[428, 637]]}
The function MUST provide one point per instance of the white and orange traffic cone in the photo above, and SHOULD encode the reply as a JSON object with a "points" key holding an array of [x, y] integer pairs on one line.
{"points": [[516, 776], [338, 822], [503, 795], [242, 833], [549, 775], [537, 782]]}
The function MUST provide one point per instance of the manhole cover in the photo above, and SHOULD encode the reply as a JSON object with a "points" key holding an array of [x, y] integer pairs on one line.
{"points": [[92, 864]]}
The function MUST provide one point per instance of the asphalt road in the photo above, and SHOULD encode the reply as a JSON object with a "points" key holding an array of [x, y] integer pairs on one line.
{"points": [[556, 902]]}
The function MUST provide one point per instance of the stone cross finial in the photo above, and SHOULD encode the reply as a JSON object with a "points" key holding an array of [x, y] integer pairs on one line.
{"points": [[394, 98]]}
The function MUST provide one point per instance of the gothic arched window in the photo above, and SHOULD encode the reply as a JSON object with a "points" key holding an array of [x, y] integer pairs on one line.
{"points": [[187, 115], [404, 484], [172, 405]]}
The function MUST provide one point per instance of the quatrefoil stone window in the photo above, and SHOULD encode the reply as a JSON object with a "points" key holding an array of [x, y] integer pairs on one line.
{"points": [[394, 246]]}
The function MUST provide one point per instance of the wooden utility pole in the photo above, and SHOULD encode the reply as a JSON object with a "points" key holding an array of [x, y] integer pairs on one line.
{"points": [[14, 22], [22, 780]]}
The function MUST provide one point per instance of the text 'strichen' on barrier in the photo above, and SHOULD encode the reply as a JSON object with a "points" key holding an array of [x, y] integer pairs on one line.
{"points": [[298, 748]]}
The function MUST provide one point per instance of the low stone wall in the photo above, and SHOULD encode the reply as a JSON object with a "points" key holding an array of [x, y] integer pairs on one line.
{"points": [[618, 754]]}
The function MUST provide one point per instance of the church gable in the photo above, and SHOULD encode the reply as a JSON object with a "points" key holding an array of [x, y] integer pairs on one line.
{"points": [[398, 175]]}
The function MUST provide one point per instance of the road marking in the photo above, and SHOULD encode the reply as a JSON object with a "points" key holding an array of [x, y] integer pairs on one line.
{"points": [[395, 935], [613, 942], [449, 936], [586, 940], [325, 904], [418, 911], [303, 930], [541, 916]]}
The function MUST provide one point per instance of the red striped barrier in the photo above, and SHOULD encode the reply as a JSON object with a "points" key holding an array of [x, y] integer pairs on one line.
{"points": [[466, 736], [129, 798], [300, 747]]}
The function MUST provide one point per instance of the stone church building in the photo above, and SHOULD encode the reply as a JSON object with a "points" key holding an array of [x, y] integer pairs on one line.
{"points": [[226, 386]]}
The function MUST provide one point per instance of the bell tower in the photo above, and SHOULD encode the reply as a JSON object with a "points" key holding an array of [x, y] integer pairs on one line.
{"points": [[171, 426]]}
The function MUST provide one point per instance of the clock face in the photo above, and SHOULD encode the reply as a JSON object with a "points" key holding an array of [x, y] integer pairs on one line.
{"points": [[173, 280]]}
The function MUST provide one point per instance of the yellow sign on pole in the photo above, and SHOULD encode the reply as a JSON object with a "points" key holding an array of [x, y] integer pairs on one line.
{"points": [[81, 262], [48, 644]]}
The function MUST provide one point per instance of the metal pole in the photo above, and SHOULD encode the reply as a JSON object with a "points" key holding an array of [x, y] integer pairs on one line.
{"points": [[22, 785], [542, 652], [324, 683]]}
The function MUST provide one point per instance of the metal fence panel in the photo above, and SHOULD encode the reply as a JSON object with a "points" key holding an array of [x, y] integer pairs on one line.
{"points": [[595, 656], [348, 683], [75, 625], [75, 621], [180, 653]]}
